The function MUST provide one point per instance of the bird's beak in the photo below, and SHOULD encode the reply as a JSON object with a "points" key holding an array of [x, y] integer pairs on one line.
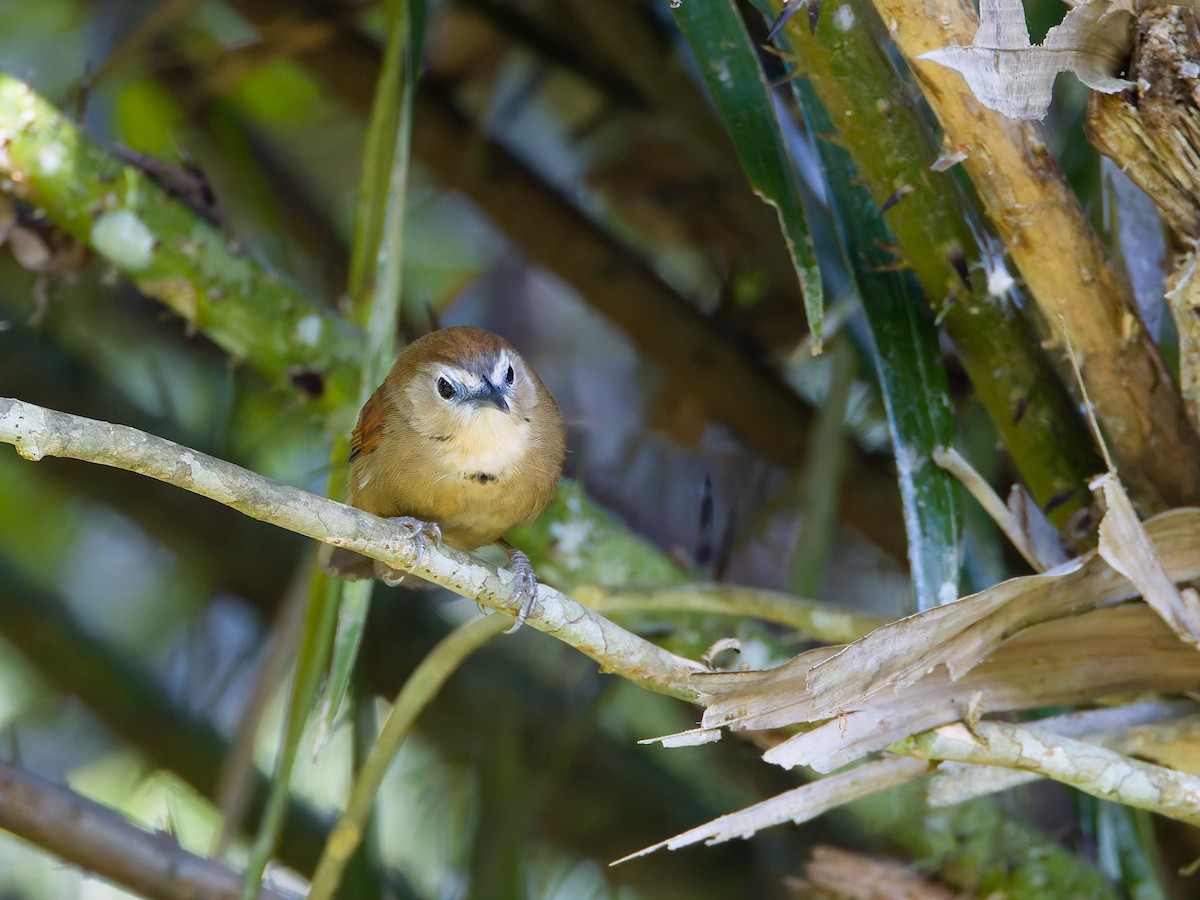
{"points": [[490, 395]]}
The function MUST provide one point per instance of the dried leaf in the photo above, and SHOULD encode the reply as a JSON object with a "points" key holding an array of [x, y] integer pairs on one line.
{"points": [[692, 738], [1065, 662], [921, 671], [1176, 745], [1125, 546], [834, 872], [1006, 73], [829, 681], [1038, 531], [799, 805]]}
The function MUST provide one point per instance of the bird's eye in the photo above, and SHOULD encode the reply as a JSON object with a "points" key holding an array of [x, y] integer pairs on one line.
{"points": [[510, 375], [445, 388]]}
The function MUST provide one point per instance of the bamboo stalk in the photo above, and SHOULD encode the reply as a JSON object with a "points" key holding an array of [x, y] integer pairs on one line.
{"points": [[1061, 260], [884, 131]]}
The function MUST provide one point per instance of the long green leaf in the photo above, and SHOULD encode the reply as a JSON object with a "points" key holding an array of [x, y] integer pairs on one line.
{"points": [[379, 239], [384, 199], [908, 360], [729, 65], [822, 473], [319, 622], [420, 689], [881, 123]]}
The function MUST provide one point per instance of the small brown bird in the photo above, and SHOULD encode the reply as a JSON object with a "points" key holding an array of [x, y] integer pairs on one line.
{"points": [[463, 440]]}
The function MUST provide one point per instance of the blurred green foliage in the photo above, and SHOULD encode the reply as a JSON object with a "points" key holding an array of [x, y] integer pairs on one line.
{"points": [[524, 779]]}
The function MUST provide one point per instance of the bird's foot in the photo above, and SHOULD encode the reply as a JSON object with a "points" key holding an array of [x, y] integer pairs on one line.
{"points": [[420, 531], [526, 589]]}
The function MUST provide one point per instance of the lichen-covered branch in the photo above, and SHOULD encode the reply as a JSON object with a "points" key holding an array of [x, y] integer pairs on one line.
{"points": [[1092, 769], [37, 432], [1145, 729], [172, 254], [95, 838]]}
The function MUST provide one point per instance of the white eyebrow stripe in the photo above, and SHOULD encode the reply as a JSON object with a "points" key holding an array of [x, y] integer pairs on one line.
{"points": [[500, 372], [469, 380]]}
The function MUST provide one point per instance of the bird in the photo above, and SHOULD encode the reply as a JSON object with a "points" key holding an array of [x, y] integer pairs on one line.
{"points": [[462, 441]]}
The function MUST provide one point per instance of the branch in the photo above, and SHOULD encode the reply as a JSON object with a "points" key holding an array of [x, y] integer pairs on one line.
{"points": [[814, 620], [37, 432], [172, 254], [1093, 770], [1146, 730], [94, 837]]}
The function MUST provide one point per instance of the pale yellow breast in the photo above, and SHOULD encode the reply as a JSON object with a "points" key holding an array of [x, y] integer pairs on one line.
{"points": [[413, 474], [491, 442]]}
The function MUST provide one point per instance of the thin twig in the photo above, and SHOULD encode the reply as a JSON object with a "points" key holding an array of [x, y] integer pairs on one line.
{"points": [[819, 621]]}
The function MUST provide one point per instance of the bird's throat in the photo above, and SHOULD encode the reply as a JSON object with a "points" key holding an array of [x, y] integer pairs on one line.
{"points": [[491, 442]]}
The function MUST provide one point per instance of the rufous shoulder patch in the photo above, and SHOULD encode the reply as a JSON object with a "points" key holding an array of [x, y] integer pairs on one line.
{"points": [[369, 430]]}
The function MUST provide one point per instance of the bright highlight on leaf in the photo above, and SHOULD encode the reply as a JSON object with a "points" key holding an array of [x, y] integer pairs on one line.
{"points": [[1008, 74]]}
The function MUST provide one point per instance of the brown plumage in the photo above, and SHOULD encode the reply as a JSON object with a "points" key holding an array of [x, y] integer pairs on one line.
{"points": [[462, 434]]}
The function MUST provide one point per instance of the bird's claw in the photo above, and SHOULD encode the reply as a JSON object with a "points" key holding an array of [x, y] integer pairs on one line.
{"points": [[420, 531], [526, 587]]}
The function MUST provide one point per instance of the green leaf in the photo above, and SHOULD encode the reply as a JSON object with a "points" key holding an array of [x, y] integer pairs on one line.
{"points": [[355, 602], [313, 654], [908, 359], [728, 62], [377, 300], [379, 241], [418, 691], [377, 267]]}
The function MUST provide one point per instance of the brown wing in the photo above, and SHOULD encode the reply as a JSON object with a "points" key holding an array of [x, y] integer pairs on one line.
{"points": [[369, 430]]}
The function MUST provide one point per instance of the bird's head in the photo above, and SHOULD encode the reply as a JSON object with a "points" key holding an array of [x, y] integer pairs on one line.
{"points": [[468, 379]]}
